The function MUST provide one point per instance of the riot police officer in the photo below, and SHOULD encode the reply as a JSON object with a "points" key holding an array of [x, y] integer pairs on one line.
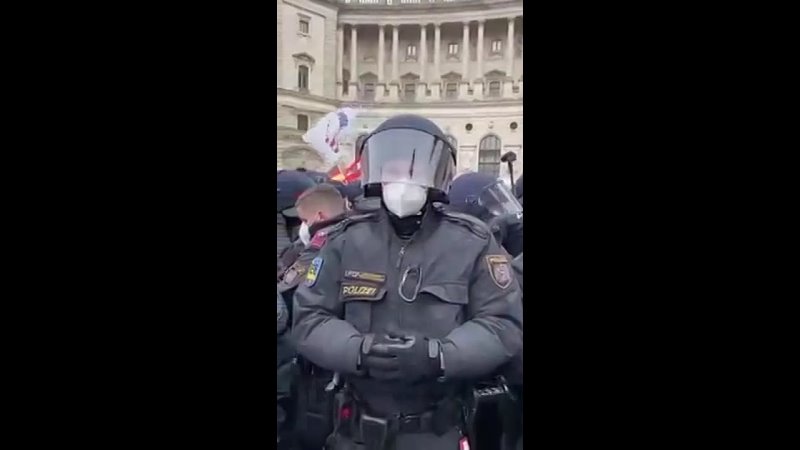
{"points": [[518, 189], [487, 198], [291, 184], [318, 208], [403, 319]]}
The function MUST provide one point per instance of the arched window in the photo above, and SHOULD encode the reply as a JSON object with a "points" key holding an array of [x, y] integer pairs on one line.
{"points": [[489, 155], [302, 78], [453, 142]]}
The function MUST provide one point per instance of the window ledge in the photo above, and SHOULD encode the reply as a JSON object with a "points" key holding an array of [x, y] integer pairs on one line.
{"points": [[300, 33]]}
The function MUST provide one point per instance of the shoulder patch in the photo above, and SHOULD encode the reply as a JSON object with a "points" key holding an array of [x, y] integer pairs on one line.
{"points": [[313, 271], [293, 273], [499, 270], [319, 239]]}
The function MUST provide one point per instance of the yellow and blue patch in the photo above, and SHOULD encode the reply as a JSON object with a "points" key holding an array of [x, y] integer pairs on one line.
{"points": [[313, 271]]}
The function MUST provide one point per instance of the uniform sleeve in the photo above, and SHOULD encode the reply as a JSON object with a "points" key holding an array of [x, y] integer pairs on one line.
{"points": [[318, 332], [283, 315], [492, 334], [517, 265]]}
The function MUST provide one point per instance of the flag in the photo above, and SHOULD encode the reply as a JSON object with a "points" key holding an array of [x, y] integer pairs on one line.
{"points": [[325, 136], [351, 173]]}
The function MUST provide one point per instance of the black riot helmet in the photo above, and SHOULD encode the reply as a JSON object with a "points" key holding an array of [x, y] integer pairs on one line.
{"points": [[408, 149], [483, 196], [316, 177], [291, 184]]}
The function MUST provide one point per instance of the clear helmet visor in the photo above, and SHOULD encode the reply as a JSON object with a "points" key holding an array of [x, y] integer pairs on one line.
{"points": [[498, 200], [407, 156]]}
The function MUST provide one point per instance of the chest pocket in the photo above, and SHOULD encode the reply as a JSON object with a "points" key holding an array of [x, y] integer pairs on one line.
{"points": [[358, 296], [441, 307]]}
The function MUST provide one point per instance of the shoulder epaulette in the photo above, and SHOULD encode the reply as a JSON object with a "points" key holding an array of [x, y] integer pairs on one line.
{"points": [[475, 225], [351, 219]]}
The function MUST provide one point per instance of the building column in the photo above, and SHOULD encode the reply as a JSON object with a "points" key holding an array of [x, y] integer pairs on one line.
{"points": [[423, 51], [381, 56], [510, 49], [479, 55], [395, 63], [437, 47], [353, 53], [465, 53], [339, 52]]}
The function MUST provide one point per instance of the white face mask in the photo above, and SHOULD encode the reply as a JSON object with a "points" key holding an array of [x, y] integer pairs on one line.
{"points": [[404, 199], [305, 238]]}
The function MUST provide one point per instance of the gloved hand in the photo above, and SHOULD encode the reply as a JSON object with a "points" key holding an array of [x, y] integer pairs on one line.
{"points": [[406, 358], [368, 360]]}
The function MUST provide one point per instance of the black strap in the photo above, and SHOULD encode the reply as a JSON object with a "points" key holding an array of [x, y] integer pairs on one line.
{"points": [[437, 421]]}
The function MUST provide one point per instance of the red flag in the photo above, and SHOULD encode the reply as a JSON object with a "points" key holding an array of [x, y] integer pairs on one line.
{"points": [[351, 173]]}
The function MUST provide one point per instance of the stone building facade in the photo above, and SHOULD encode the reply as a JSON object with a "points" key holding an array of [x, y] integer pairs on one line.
{"points": [[456, 62]]}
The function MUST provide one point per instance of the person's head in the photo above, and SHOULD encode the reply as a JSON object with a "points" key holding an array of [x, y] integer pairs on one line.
{"points": [[317, 204], [408, 161], [483, 196]]}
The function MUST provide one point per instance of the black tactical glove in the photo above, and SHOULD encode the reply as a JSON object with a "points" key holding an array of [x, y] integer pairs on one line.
{"points": [[407, 358], [367, 360]]}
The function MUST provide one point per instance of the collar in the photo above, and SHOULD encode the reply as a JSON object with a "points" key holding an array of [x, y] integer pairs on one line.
{"points": [[312, 230]]}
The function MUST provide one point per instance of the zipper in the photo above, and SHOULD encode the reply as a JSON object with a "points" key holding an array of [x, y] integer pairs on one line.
{"points": [[402, 253]]}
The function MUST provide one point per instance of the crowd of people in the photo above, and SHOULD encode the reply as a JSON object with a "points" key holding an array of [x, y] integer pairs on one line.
{"points": [[399, 301]]}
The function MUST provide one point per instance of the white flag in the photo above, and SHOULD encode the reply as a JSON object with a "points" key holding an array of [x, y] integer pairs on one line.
{"points": [[325, 135]]}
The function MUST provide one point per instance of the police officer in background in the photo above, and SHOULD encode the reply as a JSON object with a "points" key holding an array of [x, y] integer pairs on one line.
{"points": [[318, 208], [291, 184], [406, 322], [487, 198]]}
